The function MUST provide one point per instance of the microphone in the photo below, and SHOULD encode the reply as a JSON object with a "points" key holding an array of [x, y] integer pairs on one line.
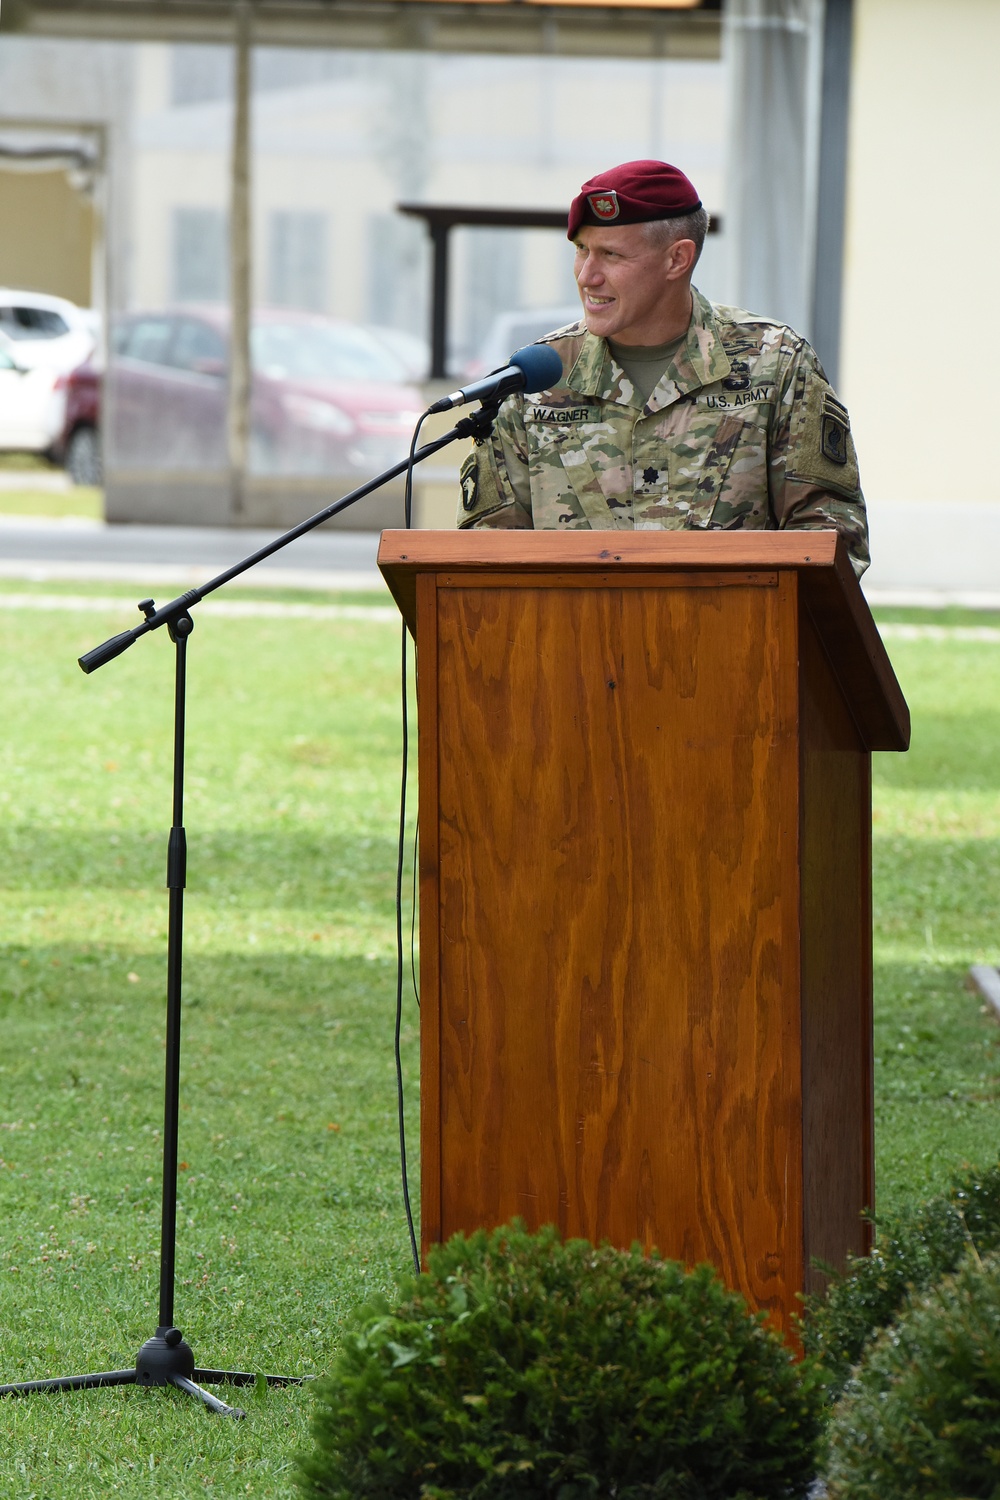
{"points": [[534, 368]]}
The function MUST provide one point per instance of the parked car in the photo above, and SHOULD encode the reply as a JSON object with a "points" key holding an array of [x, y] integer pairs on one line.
{"points": [[32, 404], [48, 331], [326, 396], [78, 447], [42, 338], [413, 352], [511, 331]]}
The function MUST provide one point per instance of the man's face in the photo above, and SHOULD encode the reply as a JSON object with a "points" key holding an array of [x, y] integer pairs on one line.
{"points": [[628, 287]]}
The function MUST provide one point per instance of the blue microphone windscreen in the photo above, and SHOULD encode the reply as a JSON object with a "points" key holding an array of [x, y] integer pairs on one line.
{"points": [[541, 365]]}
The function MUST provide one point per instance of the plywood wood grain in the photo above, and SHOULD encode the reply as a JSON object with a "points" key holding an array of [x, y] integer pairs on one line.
{"points": [[818, 559], [838, 1127], [645, 892], [615, 865]]}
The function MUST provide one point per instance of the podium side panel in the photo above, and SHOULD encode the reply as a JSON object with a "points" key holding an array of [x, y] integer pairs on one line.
{"points": [[617, 773], [838, 1130], [430, 1010]]}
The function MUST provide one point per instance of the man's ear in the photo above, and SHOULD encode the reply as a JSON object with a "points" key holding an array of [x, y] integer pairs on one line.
{"points": [[681, 256]]}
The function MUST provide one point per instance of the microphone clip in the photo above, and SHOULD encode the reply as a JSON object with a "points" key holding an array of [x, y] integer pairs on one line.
{"points": [[479, 424]]}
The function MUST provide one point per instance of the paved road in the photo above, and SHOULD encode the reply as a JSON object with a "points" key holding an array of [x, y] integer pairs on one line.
{"points": [[924, 554], [90, 550]]}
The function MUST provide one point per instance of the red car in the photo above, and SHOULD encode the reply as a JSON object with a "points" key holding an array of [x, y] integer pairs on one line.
{"points": [[79, 448], [326, 397]]}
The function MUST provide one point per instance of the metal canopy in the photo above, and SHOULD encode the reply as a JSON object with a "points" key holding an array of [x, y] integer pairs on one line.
{"points": [[566, 29]]}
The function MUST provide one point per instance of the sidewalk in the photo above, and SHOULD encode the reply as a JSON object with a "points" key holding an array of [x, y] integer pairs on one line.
{"points": [[925, 555], [76, 550]]}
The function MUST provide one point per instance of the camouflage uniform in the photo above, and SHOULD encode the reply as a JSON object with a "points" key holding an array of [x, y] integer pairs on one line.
{"points": [[743, 430]]}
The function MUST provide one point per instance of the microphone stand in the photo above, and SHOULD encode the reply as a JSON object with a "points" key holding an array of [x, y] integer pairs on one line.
{"points": [[166, 1358]]}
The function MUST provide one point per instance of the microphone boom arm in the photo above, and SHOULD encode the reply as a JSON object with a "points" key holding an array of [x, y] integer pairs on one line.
{"points": [[476, 425]]}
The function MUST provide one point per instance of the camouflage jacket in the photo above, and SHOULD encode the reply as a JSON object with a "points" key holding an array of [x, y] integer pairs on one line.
{"points": [[743, 430]]}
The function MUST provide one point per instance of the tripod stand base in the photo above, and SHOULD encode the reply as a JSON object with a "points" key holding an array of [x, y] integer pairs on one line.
{"points": [[165, 1359]]}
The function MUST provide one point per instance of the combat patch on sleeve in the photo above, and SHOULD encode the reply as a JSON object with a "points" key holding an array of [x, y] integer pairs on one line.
{"points": [[821, 449], [835, 433]]}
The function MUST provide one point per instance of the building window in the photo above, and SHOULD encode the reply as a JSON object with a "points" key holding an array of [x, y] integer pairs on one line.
{"points": [[398, 272], [200, 74], [200, 255], [297, 260], [488, 263]]}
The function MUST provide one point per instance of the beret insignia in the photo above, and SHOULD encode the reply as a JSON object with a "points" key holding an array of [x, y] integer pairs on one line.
{"points": [[604, 206]]}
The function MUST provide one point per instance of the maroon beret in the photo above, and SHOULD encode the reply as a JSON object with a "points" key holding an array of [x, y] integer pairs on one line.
{"points": [[634, 193]]}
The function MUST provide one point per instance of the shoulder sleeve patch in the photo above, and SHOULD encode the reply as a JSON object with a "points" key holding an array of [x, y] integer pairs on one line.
{"points": [[479, 492], [821, 449], [469, 480]]}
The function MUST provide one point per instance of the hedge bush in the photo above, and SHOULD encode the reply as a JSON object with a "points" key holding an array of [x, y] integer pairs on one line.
{"points": [[519, 1365], [921, 1415], [913, 1251]]}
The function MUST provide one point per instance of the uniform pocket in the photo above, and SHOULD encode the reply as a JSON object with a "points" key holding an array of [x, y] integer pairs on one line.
{"points": [[579, 476], [717, 472]]}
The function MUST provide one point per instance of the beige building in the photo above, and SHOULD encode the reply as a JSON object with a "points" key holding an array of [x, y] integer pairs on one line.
{"points": [[334, 155], [921, 261], [62, 260]]}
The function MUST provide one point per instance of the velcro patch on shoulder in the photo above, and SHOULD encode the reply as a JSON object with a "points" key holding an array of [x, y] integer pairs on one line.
{"points": [[821, 449], [478, 489]]}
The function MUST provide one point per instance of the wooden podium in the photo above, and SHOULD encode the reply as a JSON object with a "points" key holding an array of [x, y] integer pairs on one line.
{"points": [[645, 885]]}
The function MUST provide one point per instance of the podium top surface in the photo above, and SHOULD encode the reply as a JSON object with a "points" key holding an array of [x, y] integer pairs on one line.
{"points": [[827, 585]]}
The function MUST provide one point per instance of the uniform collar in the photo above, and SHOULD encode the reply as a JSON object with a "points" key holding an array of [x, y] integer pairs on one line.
{"points": [[701, 360]]}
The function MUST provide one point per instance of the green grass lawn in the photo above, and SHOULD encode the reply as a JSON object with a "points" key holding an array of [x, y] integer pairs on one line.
{"points": [[82, 500], [32, 498], [290, 1199], [937, 910]]}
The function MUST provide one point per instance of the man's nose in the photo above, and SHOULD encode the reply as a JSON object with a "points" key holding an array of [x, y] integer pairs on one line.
{"points": [[588, 272]]}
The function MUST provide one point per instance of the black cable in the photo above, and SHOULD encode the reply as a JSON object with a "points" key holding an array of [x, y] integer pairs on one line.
{"points": [[413, 915], [400, 863]]}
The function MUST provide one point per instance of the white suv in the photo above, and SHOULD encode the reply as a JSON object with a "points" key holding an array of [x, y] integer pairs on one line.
{"points": [[47, 330], [42, 338]]}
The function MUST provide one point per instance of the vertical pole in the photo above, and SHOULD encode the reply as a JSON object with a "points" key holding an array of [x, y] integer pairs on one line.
{"points": [[176, 881], [104, 288], [831, 206], [240, 269], [769, 49], [439, 301]]}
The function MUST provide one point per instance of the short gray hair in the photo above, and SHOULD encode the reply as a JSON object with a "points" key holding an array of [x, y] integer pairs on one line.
{"points": [[694, 226]]}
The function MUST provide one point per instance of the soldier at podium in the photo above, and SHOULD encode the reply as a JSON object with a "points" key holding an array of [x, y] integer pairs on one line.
{"points": [[673, 412]]}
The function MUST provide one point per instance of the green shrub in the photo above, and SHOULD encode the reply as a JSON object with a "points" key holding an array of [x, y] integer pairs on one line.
{"points": [[913, 1250], [519, 1365], [921, 1415]]}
